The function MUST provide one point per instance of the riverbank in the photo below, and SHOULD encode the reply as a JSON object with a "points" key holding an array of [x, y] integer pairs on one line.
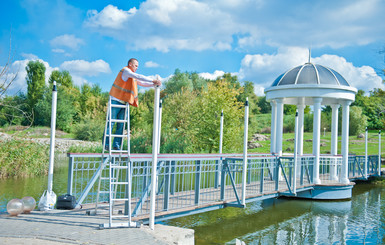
{"points": [[62, 145]]}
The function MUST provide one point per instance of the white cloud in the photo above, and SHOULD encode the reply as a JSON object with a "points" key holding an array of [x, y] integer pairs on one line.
{"points": [[77, 68], [68, 41], [109, 17], [166, 25], [263, 69], [212, 76], [58, 50], [17, 69], [86, 68], [151, 64]]}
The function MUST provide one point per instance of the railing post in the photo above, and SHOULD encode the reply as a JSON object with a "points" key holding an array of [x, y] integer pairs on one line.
{"points": [[197, 181], [70, 174], [262, 177], [276, 174], [223, 179], [172, 184], [245, 161], [366, 154], [217, 178], [166, 186], [379, 153]]}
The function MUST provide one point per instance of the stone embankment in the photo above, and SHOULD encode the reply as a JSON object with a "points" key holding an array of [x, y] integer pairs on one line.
{"points": [[61, 145]]}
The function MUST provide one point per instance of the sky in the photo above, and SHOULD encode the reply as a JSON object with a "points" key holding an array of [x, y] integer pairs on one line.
{"points": [[256, 40]]}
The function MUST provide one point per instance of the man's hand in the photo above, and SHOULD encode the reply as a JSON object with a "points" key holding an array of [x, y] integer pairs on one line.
{"points": [[157, 82]]}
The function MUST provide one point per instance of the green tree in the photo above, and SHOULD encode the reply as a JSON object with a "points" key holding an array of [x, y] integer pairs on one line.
{"points": [[35, 81]]}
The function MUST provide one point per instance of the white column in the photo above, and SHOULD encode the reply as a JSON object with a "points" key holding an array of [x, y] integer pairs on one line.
{"points": [[301, 113], [245, 137], [379, 153], [279, 127], [366, 154], [154, 158], [344, 179], [273, 130], [316, 138], [334, 140]]}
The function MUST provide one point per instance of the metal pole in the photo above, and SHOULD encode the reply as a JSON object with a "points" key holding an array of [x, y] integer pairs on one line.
{"points": [[246, 127], [366, 154], [52, 143], [379, 153], [295, 152], [155, 142], [160, 124], [221, 134]]}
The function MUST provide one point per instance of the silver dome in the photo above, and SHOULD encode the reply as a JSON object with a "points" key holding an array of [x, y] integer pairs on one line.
{"points": [[310, 74]]}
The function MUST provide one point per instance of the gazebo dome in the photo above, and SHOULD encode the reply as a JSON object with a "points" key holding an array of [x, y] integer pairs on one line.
{"points": [[310, 74], [308, 81]]}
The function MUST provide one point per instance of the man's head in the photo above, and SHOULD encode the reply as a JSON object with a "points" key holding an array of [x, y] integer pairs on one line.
{"points": [[133, 64]]}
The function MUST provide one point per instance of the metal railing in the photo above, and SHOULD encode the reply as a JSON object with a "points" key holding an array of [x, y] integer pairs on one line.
{"points": [[194, 181]]}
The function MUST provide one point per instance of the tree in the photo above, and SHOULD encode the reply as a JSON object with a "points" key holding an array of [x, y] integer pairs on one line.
{"points": [[35, 81]]}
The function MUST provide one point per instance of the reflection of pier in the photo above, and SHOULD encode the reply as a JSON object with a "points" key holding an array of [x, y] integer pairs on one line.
{"points": [[188, 184]]}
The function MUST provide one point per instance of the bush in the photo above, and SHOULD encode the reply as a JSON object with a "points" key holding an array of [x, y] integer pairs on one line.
{"points": [[91, 130], [20, 158]]}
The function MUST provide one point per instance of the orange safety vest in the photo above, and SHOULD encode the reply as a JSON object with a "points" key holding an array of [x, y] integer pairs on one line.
{"points": [[125, 90]]}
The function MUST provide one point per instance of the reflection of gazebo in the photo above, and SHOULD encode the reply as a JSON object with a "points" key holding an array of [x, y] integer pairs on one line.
{"points": [[315, 85]]}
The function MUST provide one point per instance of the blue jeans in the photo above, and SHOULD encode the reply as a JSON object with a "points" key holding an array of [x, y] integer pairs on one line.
{"points": [[116, 113]]}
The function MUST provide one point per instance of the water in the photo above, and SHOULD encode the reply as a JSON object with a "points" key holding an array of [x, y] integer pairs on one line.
{"points": [[292, 221], [34, 187], [276, 221]]}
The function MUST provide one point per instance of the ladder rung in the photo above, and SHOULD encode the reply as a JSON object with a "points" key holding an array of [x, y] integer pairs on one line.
{"points": [[119, 183], [119, 199], [118, 106], [119, 216], [119, 167], [122, 151], [119, 135], [104, 192], [119, 120]]}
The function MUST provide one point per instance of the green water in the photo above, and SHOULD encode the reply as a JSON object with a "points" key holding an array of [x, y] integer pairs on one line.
{"points": [[360, 220], [34, 187]]}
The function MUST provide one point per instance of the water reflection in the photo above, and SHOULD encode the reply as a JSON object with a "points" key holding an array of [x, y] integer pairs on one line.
{"points": [[21, 187], [291, 221]]}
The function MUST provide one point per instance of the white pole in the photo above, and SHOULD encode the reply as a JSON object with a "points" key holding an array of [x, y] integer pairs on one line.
{"points": [[155, 141], [366, 154], [160, 124], [379, 153], [244, 173], [221, 134], [52, 143], [295, 152]]}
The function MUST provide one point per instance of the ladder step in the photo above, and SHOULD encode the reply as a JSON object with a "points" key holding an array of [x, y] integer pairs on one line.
{"points": [[119, 199], [118, 106], [119, 135], [119, 183], [104, 192], [118, 120], [119, 167]]}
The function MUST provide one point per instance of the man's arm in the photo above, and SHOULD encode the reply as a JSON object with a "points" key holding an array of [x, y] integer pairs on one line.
{"points": [[143, 81]]}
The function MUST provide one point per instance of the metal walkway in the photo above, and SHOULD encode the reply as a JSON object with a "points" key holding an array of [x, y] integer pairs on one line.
{"points": [[194, 183]]}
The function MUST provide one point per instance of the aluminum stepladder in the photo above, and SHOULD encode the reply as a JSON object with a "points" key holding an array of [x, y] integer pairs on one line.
{"points": [[119, 171]]}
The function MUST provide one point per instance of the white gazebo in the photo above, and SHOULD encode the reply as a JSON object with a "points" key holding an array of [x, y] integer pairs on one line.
{"points": [[313, 85]]}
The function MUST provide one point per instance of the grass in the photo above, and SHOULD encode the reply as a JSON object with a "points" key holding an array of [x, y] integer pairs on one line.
{"points": [[356, 145]]}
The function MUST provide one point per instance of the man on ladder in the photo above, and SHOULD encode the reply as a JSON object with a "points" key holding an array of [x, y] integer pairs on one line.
{"points": [[124, 92]]}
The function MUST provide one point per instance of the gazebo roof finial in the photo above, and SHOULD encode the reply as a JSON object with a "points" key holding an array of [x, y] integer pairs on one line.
{"points": [[309, 55]]}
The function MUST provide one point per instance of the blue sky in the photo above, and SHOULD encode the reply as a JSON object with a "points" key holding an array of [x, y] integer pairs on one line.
{"points": [[256, 40]]}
